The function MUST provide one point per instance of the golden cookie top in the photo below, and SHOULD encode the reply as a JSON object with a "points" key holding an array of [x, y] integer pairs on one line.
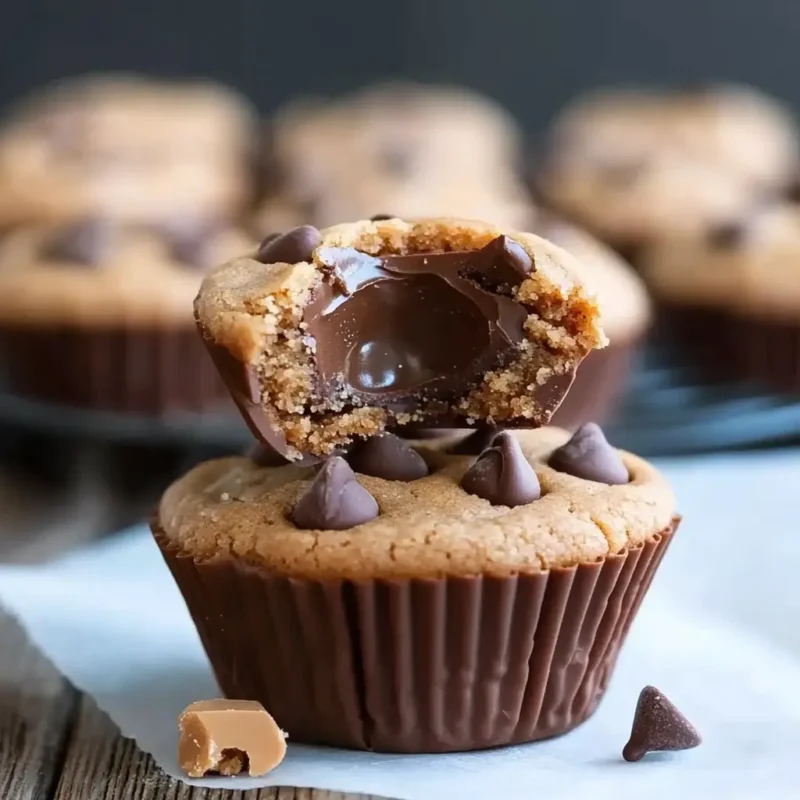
{"points": [[424, 527], [239, 302]]}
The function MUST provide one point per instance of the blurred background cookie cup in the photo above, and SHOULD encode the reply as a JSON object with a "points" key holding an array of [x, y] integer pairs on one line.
{"points": [[97, 315], [637, 166], [130, 147], [403, 150], [731, 298], [436, 628]]}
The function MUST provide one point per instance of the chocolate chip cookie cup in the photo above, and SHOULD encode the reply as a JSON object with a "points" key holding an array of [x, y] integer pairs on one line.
{"points": [[327, 336], [731, 298], [418, 601], [132, 148], [638, 166], [97, 315]]}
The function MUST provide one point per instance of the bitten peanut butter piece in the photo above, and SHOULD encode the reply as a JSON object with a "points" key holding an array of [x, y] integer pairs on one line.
{"points": [[229, 737]]}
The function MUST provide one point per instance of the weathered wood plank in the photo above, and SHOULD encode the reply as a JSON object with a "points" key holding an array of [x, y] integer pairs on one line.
{"points": [[36, 708]]}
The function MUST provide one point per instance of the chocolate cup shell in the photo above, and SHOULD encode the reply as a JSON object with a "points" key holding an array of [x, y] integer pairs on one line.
{"points": [[147, 372], [730, 347], [418, 665], [598, 387], [241, 381]]}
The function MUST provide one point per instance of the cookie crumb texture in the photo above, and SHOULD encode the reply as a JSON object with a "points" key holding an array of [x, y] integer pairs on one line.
{"points": [[426, 528], [267, 317]]}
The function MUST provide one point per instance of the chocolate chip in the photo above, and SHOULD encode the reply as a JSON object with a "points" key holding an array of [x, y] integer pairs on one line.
{"points": [[476, 442], [588, 455], [381, 217], [87, 242], [657, 726], [291, 247], [387, 456], [265, 456], [335, 500], [500, 266], [727, 235], [502, 475]]}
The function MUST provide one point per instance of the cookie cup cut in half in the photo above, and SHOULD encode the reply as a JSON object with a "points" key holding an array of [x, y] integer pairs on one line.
{"points": [[325, 337]]}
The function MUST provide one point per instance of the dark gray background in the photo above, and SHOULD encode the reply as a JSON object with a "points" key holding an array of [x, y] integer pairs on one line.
{"points": [[530, 54]]}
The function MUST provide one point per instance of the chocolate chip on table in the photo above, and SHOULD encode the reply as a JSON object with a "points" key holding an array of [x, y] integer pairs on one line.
{"points": [[87, 242], [297, 244], [476, 442], [499, 266], [502, 475], [387, 456], [588, 455], [658, 726], [381, 217], [335, 500]]}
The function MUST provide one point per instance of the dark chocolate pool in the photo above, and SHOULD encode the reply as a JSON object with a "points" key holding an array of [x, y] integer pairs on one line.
{"points": [[398, 328]]}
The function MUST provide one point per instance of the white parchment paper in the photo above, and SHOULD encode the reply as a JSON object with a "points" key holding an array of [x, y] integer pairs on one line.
{"points": [[719, 634]]}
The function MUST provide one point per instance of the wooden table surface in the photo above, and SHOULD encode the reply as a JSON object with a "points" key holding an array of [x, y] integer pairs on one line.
{"points": [[56, 744]]}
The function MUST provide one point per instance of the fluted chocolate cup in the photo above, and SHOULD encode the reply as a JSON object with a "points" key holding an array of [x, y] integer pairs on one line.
{"points": [[96, 314], [723, 346], [148, 372], [418, 665]]}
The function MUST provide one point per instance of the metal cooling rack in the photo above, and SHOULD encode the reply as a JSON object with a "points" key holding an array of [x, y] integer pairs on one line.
{"points": [[195, 429], [670, 410]]}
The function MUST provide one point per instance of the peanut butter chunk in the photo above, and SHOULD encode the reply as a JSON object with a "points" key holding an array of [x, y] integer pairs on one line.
{"points": [[229, 737]]}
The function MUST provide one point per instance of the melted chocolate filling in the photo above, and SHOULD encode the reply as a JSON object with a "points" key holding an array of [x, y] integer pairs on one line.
{"points": [[397, 329]]}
